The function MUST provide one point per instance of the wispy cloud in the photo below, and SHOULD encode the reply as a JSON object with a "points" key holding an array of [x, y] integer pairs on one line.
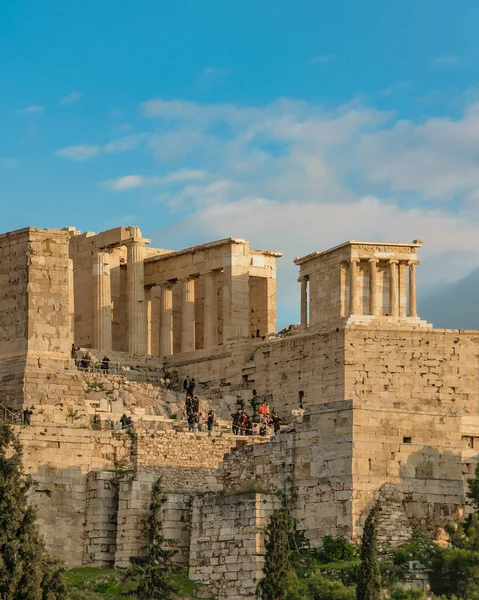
{"points": [[123, 144], [71, 98], [213, 71], [323, 59], [85, 152], [78, 153], [31, 110], [446, 60], [129, 182]]}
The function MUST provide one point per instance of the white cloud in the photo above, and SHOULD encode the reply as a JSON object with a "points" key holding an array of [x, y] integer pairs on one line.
{"points": [[129, 182], [296, 177], [31, 110], [123, 144], [71, 98], [323, 59], [447, 60], [78, 153]]}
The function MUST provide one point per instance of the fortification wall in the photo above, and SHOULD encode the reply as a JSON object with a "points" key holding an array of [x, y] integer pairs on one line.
{"points": [[413, 369], [227, 543], [86, 484], [303, 369]]}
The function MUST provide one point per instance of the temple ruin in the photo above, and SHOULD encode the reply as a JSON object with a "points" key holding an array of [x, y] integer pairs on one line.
{"points": [[376, 402]]}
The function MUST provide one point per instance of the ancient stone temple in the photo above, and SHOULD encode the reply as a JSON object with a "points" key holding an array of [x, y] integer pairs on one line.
{"points": [[375, 402]]}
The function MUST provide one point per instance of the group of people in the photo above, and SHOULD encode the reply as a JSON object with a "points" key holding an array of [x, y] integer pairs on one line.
{"points": [[194, 416], [84, 361], [126, 421], [242, 423]]}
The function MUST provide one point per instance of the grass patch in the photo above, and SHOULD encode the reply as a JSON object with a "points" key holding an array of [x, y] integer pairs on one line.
{"points": [[87, 583]]}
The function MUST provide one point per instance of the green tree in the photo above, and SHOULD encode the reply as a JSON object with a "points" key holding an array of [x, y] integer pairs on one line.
{"points": [[27, 572], [369, 581], [277, 567], [154, 567]]}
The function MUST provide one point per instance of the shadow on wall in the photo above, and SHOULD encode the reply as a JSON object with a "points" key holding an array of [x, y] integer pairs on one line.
{"points": [[433, 488]]}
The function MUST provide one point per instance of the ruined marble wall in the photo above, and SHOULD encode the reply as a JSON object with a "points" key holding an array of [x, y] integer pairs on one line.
{"points": [[227, 542]]}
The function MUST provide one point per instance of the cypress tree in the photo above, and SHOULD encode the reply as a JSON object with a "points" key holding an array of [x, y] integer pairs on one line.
{"points": [[27, 572], [369, 580], [277, 567], [154, 567]]}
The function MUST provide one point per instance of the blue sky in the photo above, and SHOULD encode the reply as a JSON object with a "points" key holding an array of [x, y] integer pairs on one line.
{"points": [[297, 125]]}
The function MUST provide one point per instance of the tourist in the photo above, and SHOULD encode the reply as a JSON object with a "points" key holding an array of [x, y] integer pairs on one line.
{"points": [[262, 410], [73, 351], [199, 420], [192, 387], [188, 405], [78, 357], [186, 385], [105, 364], [27, 413], [210, 421], [129, 422], [236, 425], [267, 413], [262, 429], [196, 404], [192, 422], [276, 422], [123, 420]]}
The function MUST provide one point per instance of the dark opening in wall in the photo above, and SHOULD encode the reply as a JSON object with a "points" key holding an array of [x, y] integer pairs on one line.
{"points": [[300, 399], [407, 440]]}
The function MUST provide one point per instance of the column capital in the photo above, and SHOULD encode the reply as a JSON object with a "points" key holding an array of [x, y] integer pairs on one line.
{"points": [[411, 263], [393, 261], [373, 261], [354, 259], [168, 285], [303, 278], [187, 278]]}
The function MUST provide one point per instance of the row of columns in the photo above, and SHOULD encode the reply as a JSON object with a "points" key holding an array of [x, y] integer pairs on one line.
{"points": [[397, 288], [137, 337], [398, 296], [210, 320], [135, 300]]}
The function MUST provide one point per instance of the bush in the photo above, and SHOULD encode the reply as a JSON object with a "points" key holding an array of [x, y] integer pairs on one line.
{"points": [[399, 593], [316, 587], [337, 549]]}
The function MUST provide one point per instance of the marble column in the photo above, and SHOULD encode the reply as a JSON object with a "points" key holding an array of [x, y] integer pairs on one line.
{"points": [[135, 298], [101, 339], [373, 286], [166, 318], [412, 288], [71, 299], [304, 301], [152, 299], [353, 287], [188, 315], [402, 289], [393, 288], [210, 320]]}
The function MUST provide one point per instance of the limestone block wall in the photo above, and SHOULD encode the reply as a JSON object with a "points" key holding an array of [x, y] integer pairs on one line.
{"points": [[60, 459], [314, 462], [227, 542], [100, 527], [303, 369], [419, 453], [413, 369], [133, 506]]}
